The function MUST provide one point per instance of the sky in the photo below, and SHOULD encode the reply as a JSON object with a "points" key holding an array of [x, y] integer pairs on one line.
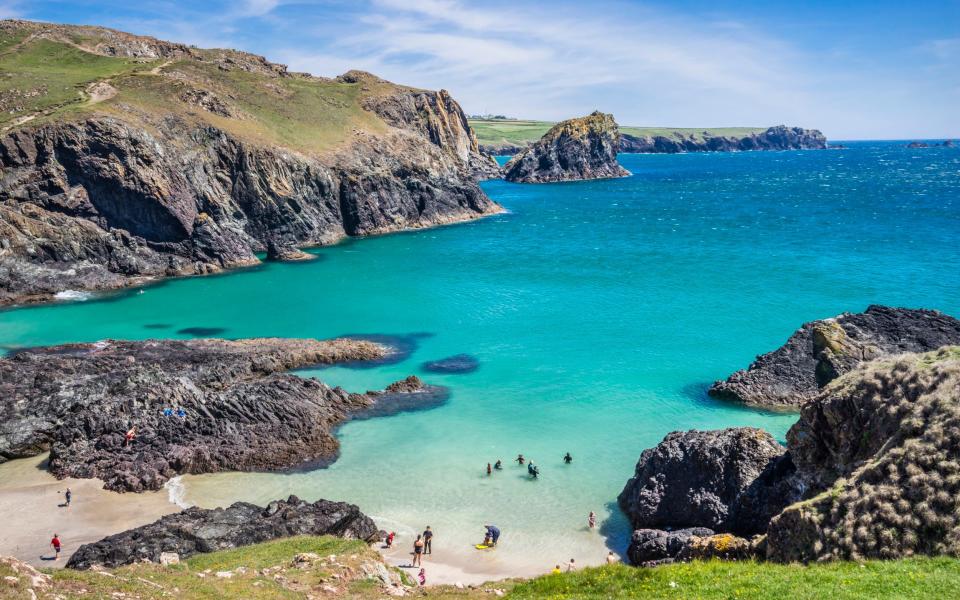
{"points": [[855, 70]]}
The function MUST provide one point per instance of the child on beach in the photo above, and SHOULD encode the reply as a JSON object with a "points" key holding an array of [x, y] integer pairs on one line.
{"points": [[422, 577], [68, 496], [390, 537], [428, 540], [55, 542]]}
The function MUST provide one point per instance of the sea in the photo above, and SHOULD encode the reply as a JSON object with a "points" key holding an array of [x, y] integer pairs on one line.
{"points": [[598, 314]]}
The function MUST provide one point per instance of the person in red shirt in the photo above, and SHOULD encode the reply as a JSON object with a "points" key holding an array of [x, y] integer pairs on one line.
{"points": [[55, 542]]}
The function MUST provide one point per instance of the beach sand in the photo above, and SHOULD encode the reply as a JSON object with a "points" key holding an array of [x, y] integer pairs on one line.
{"points": [[30, 500]]}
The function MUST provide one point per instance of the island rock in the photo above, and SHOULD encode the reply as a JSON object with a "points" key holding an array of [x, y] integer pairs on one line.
{"points": [[576, 149], [197, 530]]}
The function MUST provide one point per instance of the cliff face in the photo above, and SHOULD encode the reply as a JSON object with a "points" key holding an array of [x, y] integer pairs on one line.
{"points": [[584, 148], [820, 351], [237, 156], [780, 137]]}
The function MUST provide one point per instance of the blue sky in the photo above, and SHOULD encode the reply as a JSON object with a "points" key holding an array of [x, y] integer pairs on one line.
{"points": [[856, 70]]}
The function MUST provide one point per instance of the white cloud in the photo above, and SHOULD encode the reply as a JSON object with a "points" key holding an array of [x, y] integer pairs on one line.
{"points": [[9, 9]]}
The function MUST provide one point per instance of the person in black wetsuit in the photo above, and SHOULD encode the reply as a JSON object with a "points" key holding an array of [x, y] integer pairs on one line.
{"points": [[498, 465], [493, 533], [428, 540], [533, 470], [567, 458]]}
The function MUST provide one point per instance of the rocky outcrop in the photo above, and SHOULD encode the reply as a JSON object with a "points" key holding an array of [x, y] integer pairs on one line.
{"points": [[721, 480], [779, 137], [576, 149], [650, 547], [879, 452], [99, 199], [820, 351], [240, 409], [198, 530]]}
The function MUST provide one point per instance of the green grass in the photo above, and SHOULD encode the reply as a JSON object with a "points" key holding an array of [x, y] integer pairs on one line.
{"points": [[494, 132], [905, 579]]}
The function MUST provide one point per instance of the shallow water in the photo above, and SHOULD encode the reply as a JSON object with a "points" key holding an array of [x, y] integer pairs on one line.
{"points": [[598, 311]]}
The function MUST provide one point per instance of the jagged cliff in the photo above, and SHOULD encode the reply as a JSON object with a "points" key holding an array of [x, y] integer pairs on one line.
{"points": [[779, 137], [583, 148], [166, 160]]}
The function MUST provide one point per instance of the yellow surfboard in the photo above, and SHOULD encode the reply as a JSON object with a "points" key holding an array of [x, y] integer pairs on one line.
{"points": [[482, 547]]}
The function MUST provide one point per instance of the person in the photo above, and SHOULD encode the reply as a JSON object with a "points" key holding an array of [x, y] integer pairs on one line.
{"points": [[129, 436], [556, 570], [68, 496], [181, 413], [55, 542], [390, 537], [168, 412], [533, 470], [498, 465], [418, 552], [567, 458], [520, 459], [592, 520], [422, 577], [493, 533], [428, 540], [571, 566], [612, 558], [489, 469]]}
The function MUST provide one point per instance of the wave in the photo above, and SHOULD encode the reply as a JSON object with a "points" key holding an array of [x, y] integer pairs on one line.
{"points": [[177, 492], [73, 295]]}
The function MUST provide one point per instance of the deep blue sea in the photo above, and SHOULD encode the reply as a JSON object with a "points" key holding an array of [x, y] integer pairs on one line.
{"points": [[599, 313]]}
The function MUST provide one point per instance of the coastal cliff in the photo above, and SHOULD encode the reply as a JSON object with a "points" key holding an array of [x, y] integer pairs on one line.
{"points": [[176, 161], [195, 406], [870, 470], [779, 137], [576, 149]]}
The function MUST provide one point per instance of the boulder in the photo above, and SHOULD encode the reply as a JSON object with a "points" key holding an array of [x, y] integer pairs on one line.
{"points": [[656, 546], [707, 479], [820, 351], [197, 530], [576, 149]]}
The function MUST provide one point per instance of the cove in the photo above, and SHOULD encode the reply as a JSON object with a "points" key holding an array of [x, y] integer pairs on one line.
{"points": [[599, 312]]}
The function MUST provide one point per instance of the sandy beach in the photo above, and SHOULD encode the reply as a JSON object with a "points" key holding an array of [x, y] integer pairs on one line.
{"points": [[30, 503]]}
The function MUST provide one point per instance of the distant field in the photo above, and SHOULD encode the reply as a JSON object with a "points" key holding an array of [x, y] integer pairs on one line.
{"points": [[493, 132]]}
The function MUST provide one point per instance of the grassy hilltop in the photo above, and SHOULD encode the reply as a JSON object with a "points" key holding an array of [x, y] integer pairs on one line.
{"points": [[269, 571], [50, 73], [496, 132]]}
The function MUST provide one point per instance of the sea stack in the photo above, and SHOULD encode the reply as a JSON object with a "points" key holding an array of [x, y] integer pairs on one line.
{"points": [[572, 150]]}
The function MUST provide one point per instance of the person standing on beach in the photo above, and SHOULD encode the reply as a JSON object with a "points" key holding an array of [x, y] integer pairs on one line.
{"points": [[55, 542], [592, 520], [422, 577], [428, 540], [418, 552], [571, 566], [612, 558], [68, 496]]}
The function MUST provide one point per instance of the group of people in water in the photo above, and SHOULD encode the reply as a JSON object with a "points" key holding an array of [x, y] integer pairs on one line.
{"points": [[532, 469]]}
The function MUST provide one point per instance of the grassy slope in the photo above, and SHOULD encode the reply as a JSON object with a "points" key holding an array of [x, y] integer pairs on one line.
{"points": [[307, 114], [497, 132], [913, 578]]}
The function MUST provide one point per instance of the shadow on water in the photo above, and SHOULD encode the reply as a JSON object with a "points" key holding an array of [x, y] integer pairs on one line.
{"points": [[617, 531], [403, 345], [698, 393], [202, 331], [157, 326]]}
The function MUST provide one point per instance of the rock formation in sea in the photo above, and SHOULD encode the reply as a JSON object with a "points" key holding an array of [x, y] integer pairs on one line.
{"points": [[241, 409], [820, 351], [205, 157], [197, 530], [871, 470], [583, 148], [779, 137]]}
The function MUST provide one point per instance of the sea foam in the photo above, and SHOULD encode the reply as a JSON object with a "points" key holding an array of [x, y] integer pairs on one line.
{"points": [[73, 295], [177, 492]]}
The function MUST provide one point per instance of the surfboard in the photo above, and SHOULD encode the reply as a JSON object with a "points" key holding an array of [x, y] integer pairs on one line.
{"points": [[482, 547]]}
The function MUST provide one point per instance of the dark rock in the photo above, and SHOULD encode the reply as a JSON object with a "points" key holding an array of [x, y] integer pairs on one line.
{"points": [[460, 363], [949, 144], [584, 148], [706, 479], [409, 385], [502, 149], [198, 530], [243, 412], [654, 546], [779, 137], [723, 546], [202, 331], [820, 351], [918, 145]]}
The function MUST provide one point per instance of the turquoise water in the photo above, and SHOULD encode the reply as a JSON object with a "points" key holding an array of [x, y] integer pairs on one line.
{"points": [[599, 312]]}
